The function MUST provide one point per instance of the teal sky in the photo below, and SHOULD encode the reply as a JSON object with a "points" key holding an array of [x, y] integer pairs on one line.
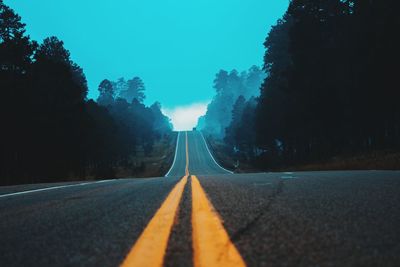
{"points": [[175, 46]]}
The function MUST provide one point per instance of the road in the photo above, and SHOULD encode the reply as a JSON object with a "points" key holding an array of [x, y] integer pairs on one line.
{"points": [[202, 215]]}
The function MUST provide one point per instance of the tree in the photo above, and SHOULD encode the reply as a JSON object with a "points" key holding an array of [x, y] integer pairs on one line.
{"points": [[56, 76], [52, 49], [329, 89], [228, 87], [16, 49], [253, 80], [233, 128], [50, 131], [134, 90], [162, 124], [246, 131], [57, 103], [143, 125], [106, 93], [221, 80], [16, 54], [119, 86]]}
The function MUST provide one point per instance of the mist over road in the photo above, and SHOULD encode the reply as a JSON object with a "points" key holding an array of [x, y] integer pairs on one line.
{"points": [[267, 219]]}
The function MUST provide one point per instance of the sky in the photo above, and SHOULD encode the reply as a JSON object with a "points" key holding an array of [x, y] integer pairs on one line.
{"points": [[175, 46]]}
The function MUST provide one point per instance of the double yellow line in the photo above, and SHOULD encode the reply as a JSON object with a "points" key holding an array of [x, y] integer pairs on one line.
{"points": [[187, 155], [211, 243]]}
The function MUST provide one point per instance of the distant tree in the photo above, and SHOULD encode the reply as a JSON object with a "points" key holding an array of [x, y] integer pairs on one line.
{"points": [[240, 134], [119, 86], [253, 80], [106, 93], [143, 124], [246, 131], [162, 124], [233, 128], [219, 112], [221, 80], [228, 87], [108, 141], [134, 89]]}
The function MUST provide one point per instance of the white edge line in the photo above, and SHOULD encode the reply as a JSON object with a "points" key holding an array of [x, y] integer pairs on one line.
{"points": [[212, 155], [51, 188], [288, 177], [176, 152]]}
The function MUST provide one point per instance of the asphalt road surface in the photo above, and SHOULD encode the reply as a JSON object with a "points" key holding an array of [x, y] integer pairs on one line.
{"points": [[200, 214]]}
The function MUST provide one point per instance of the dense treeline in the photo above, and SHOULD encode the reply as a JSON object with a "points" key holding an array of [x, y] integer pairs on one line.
{"points": [[240, 135], [229, 86], [331, 87], [50, 131], [124, 100]]}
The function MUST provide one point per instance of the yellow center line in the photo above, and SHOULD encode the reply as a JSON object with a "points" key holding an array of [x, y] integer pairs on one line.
{"points": [[149, 250], [211, 243], [187, 156]]}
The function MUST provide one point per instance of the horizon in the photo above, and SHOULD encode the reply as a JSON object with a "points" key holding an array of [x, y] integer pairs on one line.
{"points": [[132, 41]]}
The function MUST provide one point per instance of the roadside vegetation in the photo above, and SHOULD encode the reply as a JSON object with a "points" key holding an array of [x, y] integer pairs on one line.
{"points": [[150, 164], [330, 96]]}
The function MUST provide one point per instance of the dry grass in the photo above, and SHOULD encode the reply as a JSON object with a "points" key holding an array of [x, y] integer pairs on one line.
{"points": [[378, 160], [219, 151], [156, 164]]}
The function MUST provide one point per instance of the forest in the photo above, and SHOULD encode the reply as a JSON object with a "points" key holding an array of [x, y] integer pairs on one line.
{"points": [[50, 130], [328, 88], [230, 86], [331, 86]]}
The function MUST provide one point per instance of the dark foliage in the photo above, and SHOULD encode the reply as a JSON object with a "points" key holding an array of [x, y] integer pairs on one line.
{"points": [[332, 87], [143, 125], [240, 135], [49, 130], [228, 87]]}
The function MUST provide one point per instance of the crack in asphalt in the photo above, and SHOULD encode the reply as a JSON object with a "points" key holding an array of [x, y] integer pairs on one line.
{"points": [[260, 213]]}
